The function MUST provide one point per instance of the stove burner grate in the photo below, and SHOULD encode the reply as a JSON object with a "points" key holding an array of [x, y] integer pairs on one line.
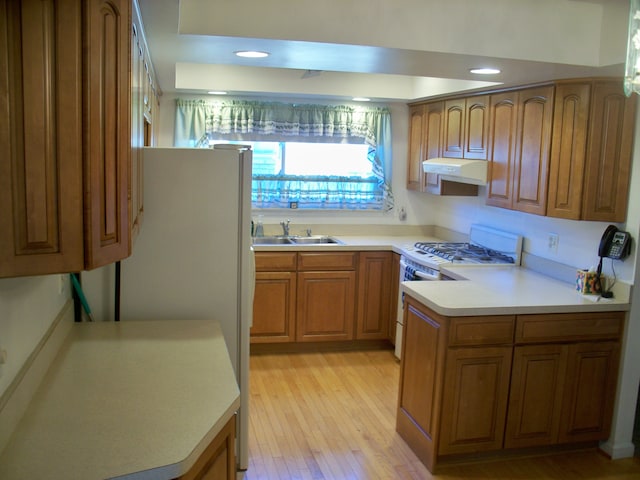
{"points": [[461, 252]]}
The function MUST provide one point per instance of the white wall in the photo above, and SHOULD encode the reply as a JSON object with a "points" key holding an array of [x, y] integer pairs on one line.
{"points": [[28, 307]]}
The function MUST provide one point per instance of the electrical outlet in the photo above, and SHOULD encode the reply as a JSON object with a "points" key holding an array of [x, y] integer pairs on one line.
{"points": [[552, 242]]}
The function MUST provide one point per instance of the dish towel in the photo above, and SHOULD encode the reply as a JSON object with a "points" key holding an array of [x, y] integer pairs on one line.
{"points": [[409, 274]]}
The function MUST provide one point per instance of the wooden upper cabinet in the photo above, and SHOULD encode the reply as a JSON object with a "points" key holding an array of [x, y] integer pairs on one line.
{"points": [[533, 144], [414, 165], [40, 137], [568, 150], [591, 151], [520, 148], [609, 150], [454, 123], [432, 142], [442, 127], [466, 128], [502, 151], [65, 135], [137, 128], [107, 124]]}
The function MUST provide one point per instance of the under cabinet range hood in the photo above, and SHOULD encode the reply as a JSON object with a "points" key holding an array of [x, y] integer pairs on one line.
{"points": [[458, 169]]}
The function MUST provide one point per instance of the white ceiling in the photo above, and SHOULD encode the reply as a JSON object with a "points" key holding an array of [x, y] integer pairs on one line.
{"points": [[387, 50]]}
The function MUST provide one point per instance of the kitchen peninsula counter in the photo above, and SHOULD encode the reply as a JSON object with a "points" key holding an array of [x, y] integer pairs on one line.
{"points": [[131, 400], [479, 290], [506, 290]]}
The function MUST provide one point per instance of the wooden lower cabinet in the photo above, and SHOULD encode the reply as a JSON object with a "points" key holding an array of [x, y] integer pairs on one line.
{"points": [[592, 373], [218, 461], [421, 380], [374, 295], [395, 290], [326, 305], [274, 313], [320, 296], [476, 388], [534, 412], [274, 302], [486, 384]]}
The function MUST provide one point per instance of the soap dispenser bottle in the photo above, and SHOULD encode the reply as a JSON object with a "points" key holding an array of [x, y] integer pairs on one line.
{"points": [[259, 231]]}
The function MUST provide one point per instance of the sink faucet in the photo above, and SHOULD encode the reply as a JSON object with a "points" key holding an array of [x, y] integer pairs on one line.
{"points": [[285, 227]]}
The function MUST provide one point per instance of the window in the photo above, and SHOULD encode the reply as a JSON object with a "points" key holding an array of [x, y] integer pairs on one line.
{"points": [[313, 175], [347, 167]]}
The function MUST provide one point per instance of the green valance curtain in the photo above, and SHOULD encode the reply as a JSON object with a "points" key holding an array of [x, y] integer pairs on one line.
{"points": [[197, 121]]}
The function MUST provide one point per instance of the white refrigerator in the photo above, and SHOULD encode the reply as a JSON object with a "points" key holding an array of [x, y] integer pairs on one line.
{"points": [[193, 257]]}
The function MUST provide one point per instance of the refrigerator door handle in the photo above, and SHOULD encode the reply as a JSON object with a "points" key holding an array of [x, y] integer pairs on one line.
{"points": [[252, 281]]}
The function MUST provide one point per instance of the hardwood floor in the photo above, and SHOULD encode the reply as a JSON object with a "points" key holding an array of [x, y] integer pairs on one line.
{"points": [[331, 416]]}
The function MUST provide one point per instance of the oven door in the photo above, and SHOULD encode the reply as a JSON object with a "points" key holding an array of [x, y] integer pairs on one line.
{"points": [[408, 272]]}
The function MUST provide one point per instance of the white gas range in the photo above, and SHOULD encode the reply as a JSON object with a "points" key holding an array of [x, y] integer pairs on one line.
{"points": [[487, 246]]}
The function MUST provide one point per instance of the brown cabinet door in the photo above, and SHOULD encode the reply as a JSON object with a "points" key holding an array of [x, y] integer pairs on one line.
{"points": [[519, 149], [137, 129], [453, 144], [274, 308], [568, 150], [326, 306], [374, 295], [414, 162], [421, 373], [474, 404], [393, 304], [590, 388], [432, 140], [425, 141], [608, 163], [107, 125], [535, 400], [533, 143], [502, 148], [40, 137], [218, 461], [476, 129], [466, 128]]}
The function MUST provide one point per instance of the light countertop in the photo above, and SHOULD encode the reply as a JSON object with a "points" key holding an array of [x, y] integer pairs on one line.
{"points": [[505, 290], [393, 243], [480, 290], [132, 399]]}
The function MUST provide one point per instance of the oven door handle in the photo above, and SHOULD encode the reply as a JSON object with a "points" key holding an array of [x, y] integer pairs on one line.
{"points": [[418, 273]]}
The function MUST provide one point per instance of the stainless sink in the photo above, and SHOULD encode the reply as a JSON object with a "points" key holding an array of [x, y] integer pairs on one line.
{"points": [[272, 240], [314, 239], [293, 240]]}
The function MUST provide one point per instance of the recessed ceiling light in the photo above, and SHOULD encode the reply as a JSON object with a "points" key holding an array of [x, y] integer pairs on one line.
{"points": [[251, 54], [216, 92], [485, 71], [361, 99]]}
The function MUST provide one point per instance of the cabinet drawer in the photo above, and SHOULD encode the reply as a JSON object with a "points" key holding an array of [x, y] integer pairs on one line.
{"points": [[481, 330], [569, 327], [275, 261], [326, 261]]}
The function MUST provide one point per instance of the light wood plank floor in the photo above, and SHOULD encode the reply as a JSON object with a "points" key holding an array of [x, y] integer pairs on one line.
{"points": [[331, 416]]}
